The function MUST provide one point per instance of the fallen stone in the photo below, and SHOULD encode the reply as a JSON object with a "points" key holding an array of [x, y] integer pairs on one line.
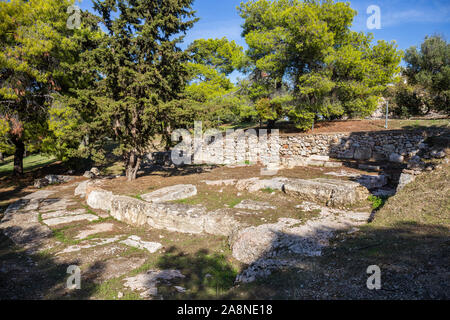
{"points": [[372, 182], [114, 268], [89, 244], [330, 164], [405, 178], [136, 242], [394, 157], [331, 192], [80, 190], [95, 171], [94, 229], [89, 175], [148, 281], [69, 219], [40, 183], [254, 205], [62, 213], [227, 182], [180, 289], [172, 216], [99, 199], [53, 179], [177, 192], [90, 256], [254, 184]]}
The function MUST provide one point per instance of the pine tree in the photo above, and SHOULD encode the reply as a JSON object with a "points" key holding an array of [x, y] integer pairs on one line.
{"points": [[35, 43], [143, 73]]}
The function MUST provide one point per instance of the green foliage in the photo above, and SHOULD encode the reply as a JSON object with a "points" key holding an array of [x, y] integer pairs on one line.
{"points": [[37, 50], [220, 54], [309, 49], [141, 75], [212, 94], [428, 72], [377, 202], [6, 146]]}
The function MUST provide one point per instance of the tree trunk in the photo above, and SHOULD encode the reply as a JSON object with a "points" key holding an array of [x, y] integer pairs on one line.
{"points": [[270, 124], [1, 156], [18, 157], [133, 164]]}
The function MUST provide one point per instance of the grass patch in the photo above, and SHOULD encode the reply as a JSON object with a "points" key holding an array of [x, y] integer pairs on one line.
{"points": [[377, 202], [29, 163], [268, 190]]}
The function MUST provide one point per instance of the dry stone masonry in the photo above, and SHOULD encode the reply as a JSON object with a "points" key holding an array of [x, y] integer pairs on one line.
{"points": [[313, 149]]}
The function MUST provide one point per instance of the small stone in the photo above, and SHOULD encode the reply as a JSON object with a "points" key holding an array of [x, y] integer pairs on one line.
{"points": [[395, 157], [89, 175], [95, 171], [120, 295]]}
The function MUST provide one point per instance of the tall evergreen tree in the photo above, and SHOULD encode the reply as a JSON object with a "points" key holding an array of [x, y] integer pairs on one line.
{"points": [[143, 73], [35, 45], [307, 49]]}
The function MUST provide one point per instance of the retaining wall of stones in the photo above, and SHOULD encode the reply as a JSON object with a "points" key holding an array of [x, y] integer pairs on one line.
{"points": [[291, 150]]}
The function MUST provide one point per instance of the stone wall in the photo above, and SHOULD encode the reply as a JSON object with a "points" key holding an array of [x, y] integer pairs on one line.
{"points": [[295, 149]]}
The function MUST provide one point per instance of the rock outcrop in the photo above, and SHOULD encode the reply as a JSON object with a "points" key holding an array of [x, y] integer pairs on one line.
{"points": [[334, 193], [176, 217], [176, 192]]}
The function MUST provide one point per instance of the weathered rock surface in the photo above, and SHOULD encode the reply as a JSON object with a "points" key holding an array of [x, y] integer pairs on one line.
{"points": [[137, 242], [372, 182], [172, 216], [292, 236], [176, 192], [94, 229], [331, 192], [405, 178], [147, 282], [99, 199], [394, 157], [114, 268], [70, 218], [51, 179], [227, 182], [87, 244], [255, 184], [80, 190], [22, 225], [254, 205]]}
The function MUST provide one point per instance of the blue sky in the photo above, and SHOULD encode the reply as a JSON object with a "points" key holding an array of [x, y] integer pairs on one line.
{"points": [[406, 22]]}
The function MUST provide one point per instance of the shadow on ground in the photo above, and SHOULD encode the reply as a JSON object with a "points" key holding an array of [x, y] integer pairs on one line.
{"points": [[414, 260]]}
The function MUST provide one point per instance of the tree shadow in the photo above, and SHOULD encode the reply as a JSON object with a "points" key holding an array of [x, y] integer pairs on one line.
{"points": [[414, 260], [207, 275], [30, 274]]}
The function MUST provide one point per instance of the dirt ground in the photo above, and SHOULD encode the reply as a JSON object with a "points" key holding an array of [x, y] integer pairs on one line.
{"points": [[343, 126]]}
